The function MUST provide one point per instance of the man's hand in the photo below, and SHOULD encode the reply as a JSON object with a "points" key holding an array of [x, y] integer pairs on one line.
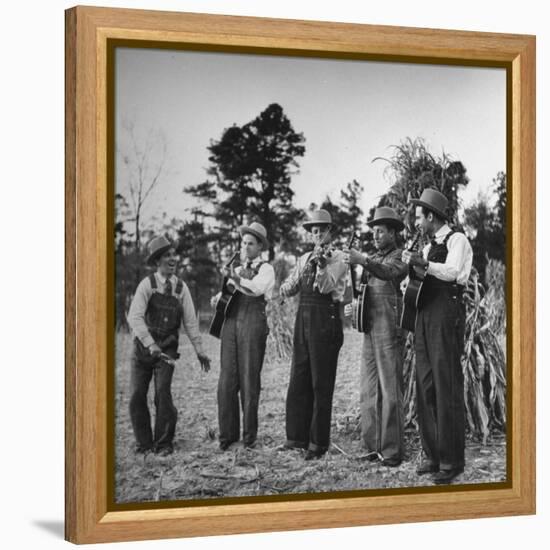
{"points": [[413, 259], [154, 350], [233, 275], [352, 256], [204, 360]]}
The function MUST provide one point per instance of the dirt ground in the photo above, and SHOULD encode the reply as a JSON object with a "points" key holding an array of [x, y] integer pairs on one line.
{"points": [[198, 469]]}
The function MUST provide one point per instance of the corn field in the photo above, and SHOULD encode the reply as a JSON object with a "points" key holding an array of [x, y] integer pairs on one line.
{"points": [[483, 360]]}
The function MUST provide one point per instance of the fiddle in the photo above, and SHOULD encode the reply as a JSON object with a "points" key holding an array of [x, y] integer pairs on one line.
{"points": [[321, 252]]}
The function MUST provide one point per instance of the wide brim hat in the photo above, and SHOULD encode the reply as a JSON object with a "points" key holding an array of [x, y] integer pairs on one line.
{"points": [[256, 229], [386, 216], [157, 246], [318, 217], [433, 200]]}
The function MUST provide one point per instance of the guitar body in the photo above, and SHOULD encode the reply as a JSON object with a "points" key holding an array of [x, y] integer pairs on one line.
{"points": [[359, 310], [410, 300], [223, 305]]}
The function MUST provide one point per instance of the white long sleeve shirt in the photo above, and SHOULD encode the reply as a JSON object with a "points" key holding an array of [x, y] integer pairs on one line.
{"points": [[458, 264], [260, 284]]}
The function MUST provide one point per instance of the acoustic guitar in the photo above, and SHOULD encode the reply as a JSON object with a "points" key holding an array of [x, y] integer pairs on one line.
{"points": [[223, 305], [412, 292]]}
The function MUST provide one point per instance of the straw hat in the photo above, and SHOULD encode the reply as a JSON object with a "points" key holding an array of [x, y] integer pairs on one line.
{"points": [[318, 217], [256, 229], [157, 246]]}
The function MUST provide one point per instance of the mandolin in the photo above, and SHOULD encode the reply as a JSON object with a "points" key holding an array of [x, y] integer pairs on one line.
{"points": [[223, 305], [412, 292]]}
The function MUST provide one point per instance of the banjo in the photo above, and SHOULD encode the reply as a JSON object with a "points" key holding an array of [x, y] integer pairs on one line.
{"points": [[359, 301]]}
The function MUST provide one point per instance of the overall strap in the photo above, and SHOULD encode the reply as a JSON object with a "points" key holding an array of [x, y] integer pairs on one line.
{"points": [[179, 287], [153, 281], [257, 268]]}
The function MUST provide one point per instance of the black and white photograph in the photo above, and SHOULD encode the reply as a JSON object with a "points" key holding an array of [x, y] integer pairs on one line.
{"points": [[310, 275]]}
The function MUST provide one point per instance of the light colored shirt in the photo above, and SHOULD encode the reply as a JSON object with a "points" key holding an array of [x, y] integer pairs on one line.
{"points": [[331, 279], [458, 264], [260, 284], [136, 314]]}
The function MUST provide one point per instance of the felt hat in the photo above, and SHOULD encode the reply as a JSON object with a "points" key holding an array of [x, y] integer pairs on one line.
{"points": [[256, 229], [433, 200], [156, 247], [386, 216], [318, 217]]}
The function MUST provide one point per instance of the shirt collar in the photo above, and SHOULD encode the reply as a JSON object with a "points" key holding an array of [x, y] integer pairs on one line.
{"points": [[161, 278], [442, 232]]}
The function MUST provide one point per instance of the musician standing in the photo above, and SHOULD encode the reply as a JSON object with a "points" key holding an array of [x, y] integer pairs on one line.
{"points": [[381, 394], [439, 338], [243, 340], [320, 278], [161, 304]]}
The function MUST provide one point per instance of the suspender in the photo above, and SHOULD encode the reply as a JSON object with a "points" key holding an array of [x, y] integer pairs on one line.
{"points": [[154, 286]]}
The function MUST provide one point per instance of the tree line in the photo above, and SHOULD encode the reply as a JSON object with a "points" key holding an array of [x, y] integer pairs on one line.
{"points": [[249, 179]]}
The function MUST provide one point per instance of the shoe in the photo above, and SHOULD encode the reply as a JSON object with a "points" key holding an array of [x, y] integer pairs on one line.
{"points": [[251, 445], [224, 445], [290, 447], [427, 468], [391, 462], [164, 451], [141, 450], [314, 455], [372, 456], [446, 476]]}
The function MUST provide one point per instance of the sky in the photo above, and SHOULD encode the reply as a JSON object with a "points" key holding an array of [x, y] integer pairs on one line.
{"points": [[350, 112]]}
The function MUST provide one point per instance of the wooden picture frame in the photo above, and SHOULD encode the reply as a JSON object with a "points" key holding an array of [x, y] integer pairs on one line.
{"points": [[89, 33]]}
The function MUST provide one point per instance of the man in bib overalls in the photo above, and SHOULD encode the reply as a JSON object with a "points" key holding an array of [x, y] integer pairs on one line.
{"points": [[161, 304], [243, 340], [381, 394], [320, 278]]}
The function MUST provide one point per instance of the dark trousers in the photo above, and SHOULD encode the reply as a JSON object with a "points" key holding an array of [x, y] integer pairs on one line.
{"points": [[318, 338], [439, 342], [165, 412], [381, 391], [243, 340]]}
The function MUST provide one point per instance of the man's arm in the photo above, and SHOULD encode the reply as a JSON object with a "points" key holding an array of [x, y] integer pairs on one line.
{"points": [[392, 268], [291, 284], [190, 321], [136, 313], [459, 253], [260, 284]]}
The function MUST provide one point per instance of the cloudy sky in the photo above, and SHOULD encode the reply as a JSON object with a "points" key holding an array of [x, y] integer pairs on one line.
{"points": [[349, 112]]}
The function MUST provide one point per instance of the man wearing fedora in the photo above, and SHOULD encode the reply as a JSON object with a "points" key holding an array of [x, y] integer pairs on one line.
{"points": [[320, 278], [243, 339], [381, 394], [161, 304], [439, 338]]}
